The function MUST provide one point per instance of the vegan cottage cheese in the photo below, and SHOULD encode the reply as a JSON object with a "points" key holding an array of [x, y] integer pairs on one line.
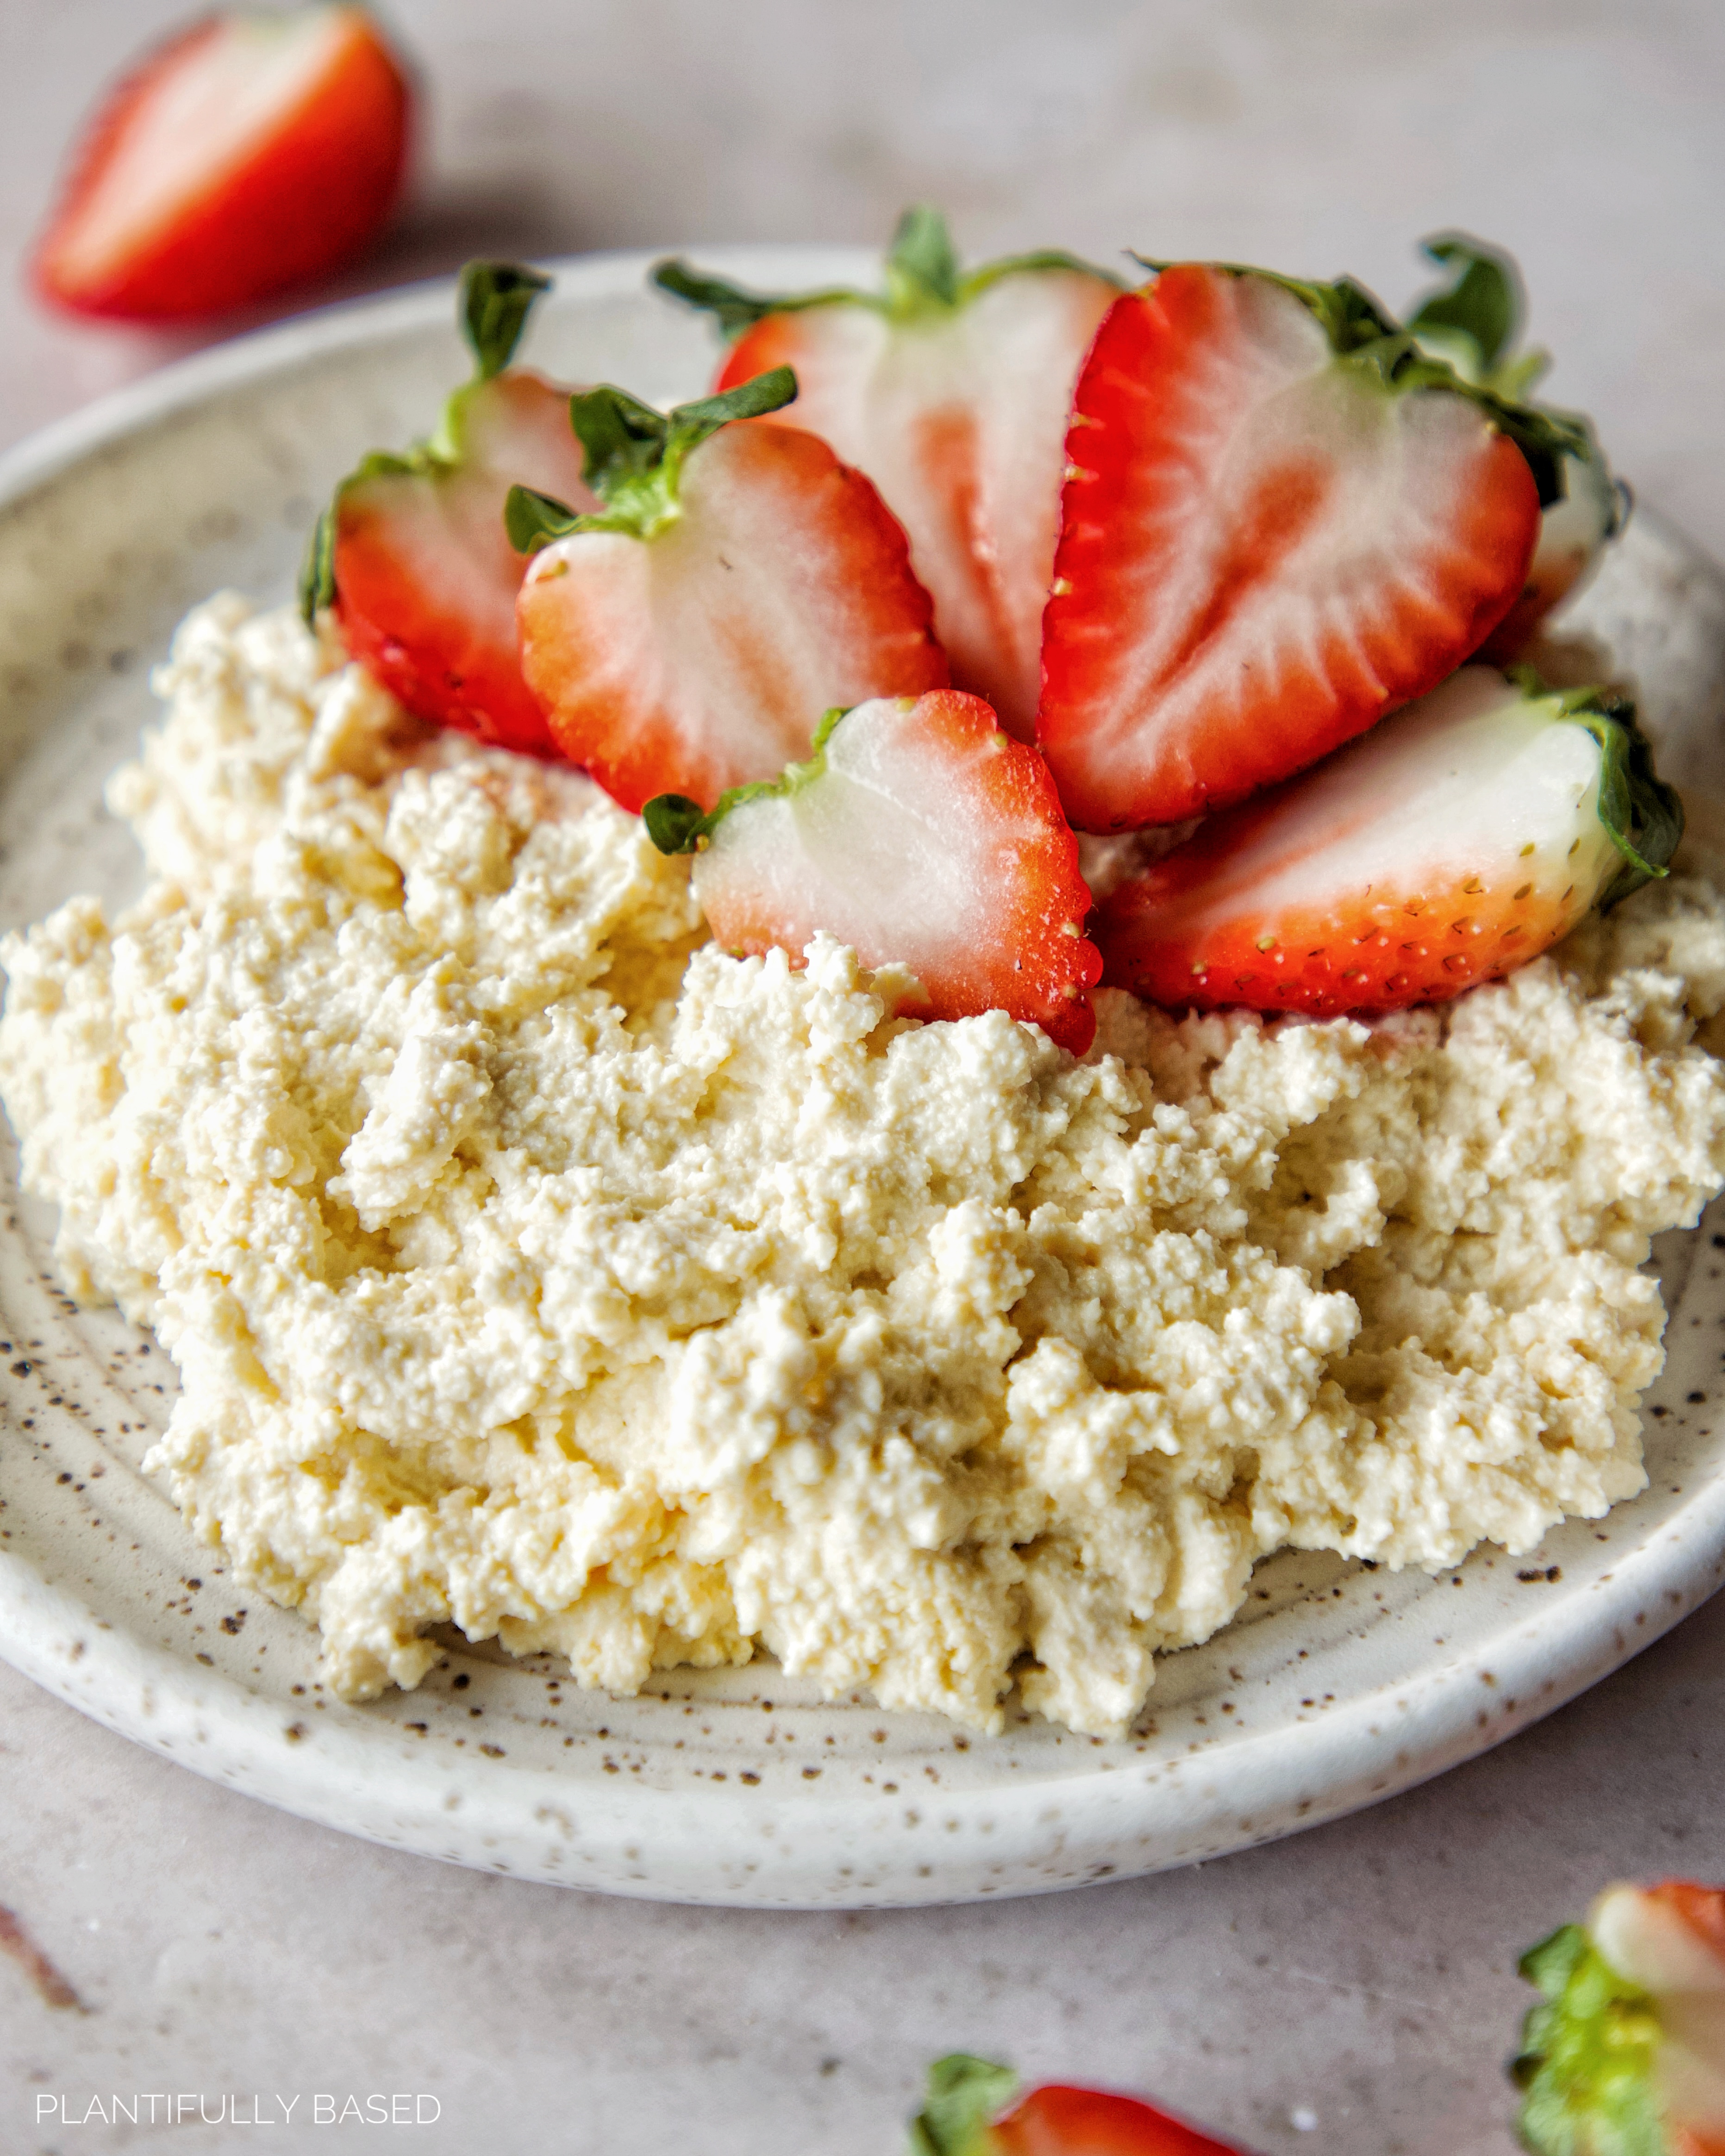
{"points": [[530, 1263]]}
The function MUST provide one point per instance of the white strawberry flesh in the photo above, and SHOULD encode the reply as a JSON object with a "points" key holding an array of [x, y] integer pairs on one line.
{"points": [[921, 835]]}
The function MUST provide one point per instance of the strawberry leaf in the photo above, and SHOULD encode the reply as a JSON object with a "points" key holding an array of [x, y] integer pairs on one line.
{"points": [[1482, 303], [752, 399], [317, 571], [496, 298], [533, 519], [922, 275], [634, 458], [965, 2093], [922, 265], [734, 307], [674, 824], [1587, 2061], [624, 439], [1642, 815], [678, 825]]}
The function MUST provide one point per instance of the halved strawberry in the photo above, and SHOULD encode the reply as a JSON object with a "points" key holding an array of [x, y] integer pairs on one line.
{"points": [[967, 2114], [952, 393], [1281, 521], [1474, 322], [1454, 843], [1627, 2053], [734, 582], [249, 150], [412, 555], [916, 831]]}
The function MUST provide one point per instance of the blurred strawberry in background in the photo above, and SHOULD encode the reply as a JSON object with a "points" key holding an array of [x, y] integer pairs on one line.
{"points": [[249, 151]]}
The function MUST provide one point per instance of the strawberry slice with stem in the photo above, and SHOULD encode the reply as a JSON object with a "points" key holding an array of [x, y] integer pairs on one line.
{"points": [[1456, 841], [921, 834], [412, 557], [731, 583], [1474, 322], [247, 152], [970, 2112], [951, 390], [1626, 2056], [1281, 521]]}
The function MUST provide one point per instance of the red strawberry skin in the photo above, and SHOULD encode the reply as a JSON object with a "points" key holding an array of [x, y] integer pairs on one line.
{"points": [[703, 657], [170, 214], [1261, 552], [1450, 846], [1060, 2121], [931, 839], [425, 578], [959, 418]]}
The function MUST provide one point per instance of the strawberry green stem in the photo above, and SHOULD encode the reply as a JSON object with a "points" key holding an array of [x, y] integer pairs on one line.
{"points": [[678, 825], [1481, 306], [634, 458], [921, 264], [922, 278], [1643, 816], [497, 298], [734, 307], [964, 2094], [1588, 2056]]}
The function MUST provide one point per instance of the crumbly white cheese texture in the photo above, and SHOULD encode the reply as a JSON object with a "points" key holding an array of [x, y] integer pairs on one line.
{"points": [[531, 1265]]}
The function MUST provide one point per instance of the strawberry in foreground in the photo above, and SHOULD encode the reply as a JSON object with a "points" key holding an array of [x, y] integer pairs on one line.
{"points": [[970, 2112], [730, 582], [1456, 842], [1473, 322], [951, 393], [412, 556], [918, 833], [249, 152], [1626, 2056], [1281, 521]]}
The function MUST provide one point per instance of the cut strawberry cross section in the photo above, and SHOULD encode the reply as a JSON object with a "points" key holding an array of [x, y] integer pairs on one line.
{"points": [[969, 2112], [412, 556], [729, 583], [1281, 521], [921, 834], [951, 391], [257, 147], [1458, 840]]}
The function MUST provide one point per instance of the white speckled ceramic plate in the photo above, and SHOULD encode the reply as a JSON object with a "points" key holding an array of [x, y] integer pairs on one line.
{"points": [[1336, 1685]]}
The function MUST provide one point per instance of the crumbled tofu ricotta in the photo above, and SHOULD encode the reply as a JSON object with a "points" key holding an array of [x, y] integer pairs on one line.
{"points": [[532, 1264]]}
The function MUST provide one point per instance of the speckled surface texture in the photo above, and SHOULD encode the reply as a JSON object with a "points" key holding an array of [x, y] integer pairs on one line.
{"points": [[1352, 1989]]}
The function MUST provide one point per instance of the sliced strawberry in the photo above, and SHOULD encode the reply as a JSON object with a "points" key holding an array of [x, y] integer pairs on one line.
{"points": [[1454, 843], [247, 152], [952, 393], [735, 581], [1473, 322], [916, 831], [1627, 2052], [1280, 522], [965, 2116], [412, 556]]}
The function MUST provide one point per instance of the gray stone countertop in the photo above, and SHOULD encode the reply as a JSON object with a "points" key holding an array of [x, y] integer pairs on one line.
{"points": [[1351, 1991]]}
